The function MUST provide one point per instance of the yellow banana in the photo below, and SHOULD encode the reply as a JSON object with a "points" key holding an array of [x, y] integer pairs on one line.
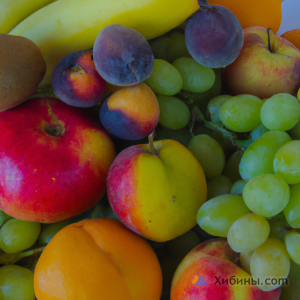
{"points": [[12, 12], [65, 26]]}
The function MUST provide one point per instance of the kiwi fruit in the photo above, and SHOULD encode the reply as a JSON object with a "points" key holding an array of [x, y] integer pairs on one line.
{"points": [[22, 68]]}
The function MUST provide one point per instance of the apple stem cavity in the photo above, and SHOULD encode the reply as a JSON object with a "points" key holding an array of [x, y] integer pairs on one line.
{"points": [[151, 145], [54, 130], [269, 39]]}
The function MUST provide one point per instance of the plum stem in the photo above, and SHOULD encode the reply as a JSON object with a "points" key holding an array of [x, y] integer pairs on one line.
{"points": [[269, 40], [151, 145], [202, 2]]}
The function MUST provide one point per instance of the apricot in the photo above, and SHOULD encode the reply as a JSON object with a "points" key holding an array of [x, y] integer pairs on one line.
{"points": [[98, 259], [293, 36]]}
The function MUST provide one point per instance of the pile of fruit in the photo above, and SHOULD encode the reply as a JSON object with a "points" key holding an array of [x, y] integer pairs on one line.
{"points": [[149, 150]]}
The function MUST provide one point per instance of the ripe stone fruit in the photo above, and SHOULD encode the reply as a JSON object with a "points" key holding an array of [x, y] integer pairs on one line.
{"points": [[22, 68], [98, 259], [54, 159], [156, 189], [267, 65]]}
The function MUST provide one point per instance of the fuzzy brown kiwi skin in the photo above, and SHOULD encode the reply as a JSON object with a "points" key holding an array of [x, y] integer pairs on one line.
{"points": [[22, 68]]}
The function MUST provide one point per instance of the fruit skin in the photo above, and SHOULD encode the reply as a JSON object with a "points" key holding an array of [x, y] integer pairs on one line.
{"points": [[213, 259], [157, 196], [76, 81], [66, 26], [113, 263], [131, 113], [261, 73], [293, 36], [44, 178], [255, 14], [22, 68]]}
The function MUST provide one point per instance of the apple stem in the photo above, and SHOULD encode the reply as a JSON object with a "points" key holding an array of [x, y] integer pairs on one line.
{"points": [[151, 145], [202, 2], [269, 40]]}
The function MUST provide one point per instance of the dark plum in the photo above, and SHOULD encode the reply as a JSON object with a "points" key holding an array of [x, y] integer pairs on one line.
{"points": [[214, 36], [123, 56], [76, 81]]}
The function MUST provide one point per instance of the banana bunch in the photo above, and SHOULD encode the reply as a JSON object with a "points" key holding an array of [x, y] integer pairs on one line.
{"points": [[66, 26]]}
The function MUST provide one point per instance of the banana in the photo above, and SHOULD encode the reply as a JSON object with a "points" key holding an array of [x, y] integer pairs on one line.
{"points": [[12, 12], [66, 26]]}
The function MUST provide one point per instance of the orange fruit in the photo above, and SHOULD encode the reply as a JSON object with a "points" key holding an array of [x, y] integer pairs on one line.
{"points": [[263, 13], [293, 36], [97, 259]]}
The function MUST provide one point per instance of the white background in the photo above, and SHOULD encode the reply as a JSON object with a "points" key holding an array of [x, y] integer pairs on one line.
{"points": [[290, 16]]}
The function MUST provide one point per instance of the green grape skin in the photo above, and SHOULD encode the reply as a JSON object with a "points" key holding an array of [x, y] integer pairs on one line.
{"points": [[49, 231], [241, 113], [176, 46], [245, 259], [291, 290], [182, 135], [280, 112], [248, 232], [4, 217], [231, 169], [183, 244], [292, 243], [292, 210], [16, 283], [218, 214], [279, 227], [295, 131], [196, 78], [165, 78], [270, 260], [159, 47], [287, 162], [209, 153], [266, 195], [214, 107], [219, 185], [17, 235], [237, 187], [257, 132], [259, 156], [174, 113]]}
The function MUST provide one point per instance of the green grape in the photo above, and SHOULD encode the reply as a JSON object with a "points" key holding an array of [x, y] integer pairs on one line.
{"points": [[176, 46], [196, 78], [270, 261], [292, 210], [159, 47], [291, 290], [248, 232], [219, 185], [182, 135], [16, 283], [292, 243], [258, 157], [209, 153], [4, 217], [237, 187], [245, 259], [295, 131], [241, 113], [214, 107], [257, 132], [231, 169], [279, 227], [48, 232], [280, 112], [183, 244], [287, 162], [266, 195], [165, 78], [17, 235], [218, 214], [174, 113]]}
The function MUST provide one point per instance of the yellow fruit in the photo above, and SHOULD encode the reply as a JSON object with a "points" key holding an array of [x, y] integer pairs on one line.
{"points": [[12, 12], [66, 26]]}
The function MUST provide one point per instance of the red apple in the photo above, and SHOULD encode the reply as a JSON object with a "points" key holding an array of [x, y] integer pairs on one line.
{"points": [[264, 69], [54, 160]]}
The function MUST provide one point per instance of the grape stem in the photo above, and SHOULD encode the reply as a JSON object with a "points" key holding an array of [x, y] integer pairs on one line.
{"points": [[151, 145], [269, 40], [193, 120]]}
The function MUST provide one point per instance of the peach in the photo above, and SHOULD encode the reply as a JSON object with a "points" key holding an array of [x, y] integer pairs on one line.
{"points": [[76, 81], [215, 261]]}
